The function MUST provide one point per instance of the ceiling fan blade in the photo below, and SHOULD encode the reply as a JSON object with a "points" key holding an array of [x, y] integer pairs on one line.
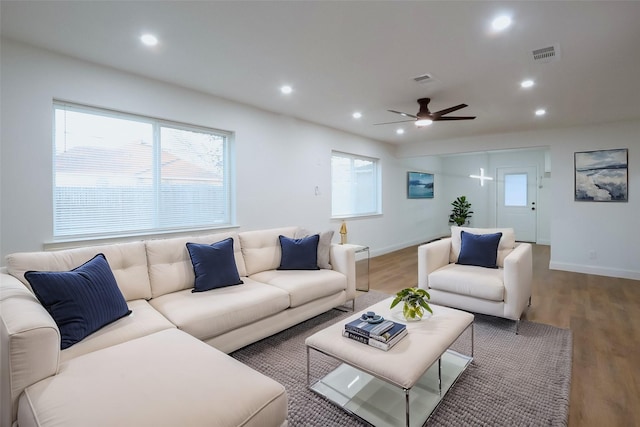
{"points": [[403, 114], [439, 119], [390, 123], [449, 110]]}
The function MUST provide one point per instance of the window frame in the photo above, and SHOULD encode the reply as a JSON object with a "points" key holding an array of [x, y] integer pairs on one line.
{"points": [[377, 184], [157, 124]]}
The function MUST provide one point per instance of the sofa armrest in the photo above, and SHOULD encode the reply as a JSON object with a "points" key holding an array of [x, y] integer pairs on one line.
{"points": [[518, 275], [29, 344], [343, 260], [432, 256]]}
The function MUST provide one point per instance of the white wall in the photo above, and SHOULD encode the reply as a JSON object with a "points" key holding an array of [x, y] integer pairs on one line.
{"points": [[606, 228], [279, 160]]}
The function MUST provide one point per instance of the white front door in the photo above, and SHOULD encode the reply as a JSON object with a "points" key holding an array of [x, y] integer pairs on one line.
{"points": [[516, 199]]}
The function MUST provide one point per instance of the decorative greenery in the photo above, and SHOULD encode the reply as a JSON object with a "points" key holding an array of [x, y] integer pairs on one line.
{"points": [[461, 211], [414, 302]]}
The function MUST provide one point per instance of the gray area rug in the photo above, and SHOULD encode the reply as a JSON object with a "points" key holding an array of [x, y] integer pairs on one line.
{"points": [[514, 380]]}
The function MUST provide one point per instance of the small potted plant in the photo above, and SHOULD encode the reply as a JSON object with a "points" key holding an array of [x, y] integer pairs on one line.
{"points": [[461, 211], [415, 302]]}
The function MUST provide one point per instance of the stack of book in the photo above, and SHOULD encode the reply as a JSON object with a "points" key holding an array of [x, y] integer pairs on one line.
{"points": [[382, 335]]}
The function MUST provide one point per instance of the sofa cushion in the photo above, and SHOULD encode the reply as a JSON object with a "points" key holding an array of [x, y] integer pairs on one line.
{"points": [[143, 320], [208, 314], [479, 249], [128, 262], [507, 242], [261, 248], [324, 246], [304, 286], [82, 300], [478, 282], [170, 267], [166, 379], [299, 254], [213, 265]]}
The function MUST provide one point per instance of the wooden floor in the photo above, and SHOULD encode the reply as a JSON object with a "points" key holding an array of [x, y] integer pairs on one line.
{"points": [[603, 314]]}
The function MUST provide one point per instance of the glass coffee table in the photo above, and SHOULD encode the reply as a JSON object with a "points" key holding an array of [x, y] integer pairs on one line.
{"points": [[399, 387]]}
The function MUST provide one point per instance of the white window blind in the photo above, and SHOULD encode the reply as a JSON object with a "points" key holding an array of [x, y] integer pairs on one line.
{"points": [[355, 185], [121, 174]]}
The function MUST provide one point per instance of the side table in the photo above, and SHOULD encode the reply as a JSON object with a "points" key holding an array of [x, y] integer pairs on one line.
{"points": [[362, 268]]}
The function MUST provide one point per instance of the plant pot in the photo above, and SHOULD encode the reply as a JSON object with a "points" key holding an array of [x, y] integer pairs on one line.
{"points": [[410, 314]]}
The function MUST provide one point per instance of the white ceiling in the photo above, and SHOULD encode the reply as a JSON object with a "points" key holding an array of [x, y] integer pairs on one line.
{"points": [[344, 56]]}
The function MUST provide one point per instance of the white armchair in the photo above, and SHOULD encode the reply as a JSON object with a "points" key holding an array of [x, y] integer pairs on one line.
{"points": [[504, 291]]}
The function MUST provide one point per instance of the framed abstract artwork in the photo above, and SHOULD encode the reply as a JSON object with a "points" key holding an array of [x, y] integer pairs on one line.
{"points": [[601, 176], [419, 185]]}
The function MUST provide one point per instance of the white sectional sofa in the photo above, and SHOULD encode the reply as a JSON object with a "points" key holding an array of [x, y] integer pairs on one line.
{"points": [[152, 367]]}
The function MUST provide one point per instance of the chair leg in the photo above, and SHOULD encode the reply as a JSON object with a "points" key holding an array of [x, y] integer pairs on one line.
{"points": [[529, 301], [344, 307], [517, 326]]}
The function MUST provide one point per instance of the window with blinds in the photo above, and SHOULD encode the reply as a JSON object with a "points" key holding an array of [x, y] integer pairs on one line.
{"points": [[118, 174], [355, 186]]}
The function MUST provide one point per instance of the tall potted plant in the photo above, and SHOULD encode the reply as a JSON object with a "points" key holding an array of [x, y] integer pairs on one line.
{"points": [[461, 211]]}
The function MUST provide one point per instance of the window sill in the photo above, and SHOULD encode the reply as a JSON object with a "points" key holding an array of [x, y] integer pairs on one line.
{"points": [[75, 242]]}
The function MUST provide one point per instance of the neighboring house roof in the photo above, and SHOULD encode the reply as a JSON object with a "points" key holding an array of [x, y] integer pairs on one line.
{"points": [[133, 159]]}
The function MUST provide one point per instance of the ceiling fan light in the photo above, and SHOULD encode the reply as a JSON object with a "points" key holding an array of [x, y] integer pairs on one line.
{"points": [[423, 122]]}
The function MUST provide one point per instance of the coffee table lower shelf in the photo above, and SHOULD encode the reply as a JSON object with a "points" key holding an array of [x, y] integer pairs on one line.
{"points": [[382, 404]]}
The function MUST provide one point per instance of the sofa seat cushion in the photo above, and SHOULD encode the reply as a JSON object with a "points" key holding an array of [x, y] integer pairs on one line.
{"points": [[208, 314], [143, 320], [304, 286], [478, 282], [165, 379]]}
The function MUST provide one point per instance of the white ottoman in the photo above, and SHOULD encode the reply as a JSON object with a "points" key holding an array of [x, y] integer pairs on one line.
{"points": [[395, 387]]}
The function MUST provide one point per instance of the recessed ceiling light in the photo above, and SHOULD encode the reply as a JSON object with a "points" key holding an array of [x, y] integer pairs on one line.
{"points": [[501, 22], [423, 122], [541, 112], [357, 115], [399, 131], [149, 39], [526, 83], [286, 89]]}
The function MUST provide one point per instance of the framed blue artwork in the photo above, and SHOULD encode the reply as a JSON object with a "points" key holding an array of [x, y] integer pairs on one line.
{"points": [[601, 176], [419, 185]]}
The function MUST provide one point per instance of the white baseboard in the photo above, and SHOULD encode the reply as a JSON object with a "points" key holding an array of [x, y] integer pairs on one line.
{"points": [[599, 271]]}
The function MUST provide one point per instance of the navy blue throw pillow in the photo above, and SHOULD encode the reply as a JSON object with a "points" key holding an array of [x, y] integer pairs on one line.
{"points": [[299, 254], [479, 249], [82, 300], [214, 265]]}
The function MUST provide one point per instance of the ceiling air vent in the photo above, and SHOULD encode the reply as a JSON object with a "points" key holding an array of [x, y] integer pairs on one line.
{"points": [[425, 78], [547, 54]]}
